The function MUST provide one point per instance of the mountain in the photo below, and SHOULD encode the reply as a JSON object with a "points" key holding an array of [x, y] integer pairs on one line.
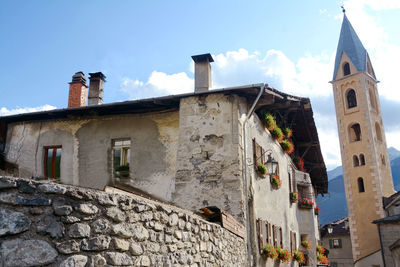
{"points": [[333, 205]]}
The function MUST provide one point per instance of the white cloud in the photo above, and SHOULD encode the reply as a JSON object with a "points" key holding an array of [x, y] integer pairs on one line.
{"points": [[6, 112], [159, 83]]}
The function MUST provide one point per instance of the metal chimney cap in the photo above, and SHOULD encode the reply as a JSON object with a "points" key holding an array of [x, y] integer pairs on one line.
{"points": [[203, 58]]}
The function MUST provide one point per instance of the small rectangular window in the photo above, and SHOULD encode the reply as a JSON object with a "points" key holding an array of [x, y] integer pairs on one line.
{"points": [[52, 162], [336, 243], [121, 157]]}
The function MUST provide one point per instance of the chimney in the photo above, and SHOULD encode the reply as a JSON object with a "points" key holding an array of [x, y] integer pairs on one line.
{"points": [[96, 88], [77, 90], [202, 72]]}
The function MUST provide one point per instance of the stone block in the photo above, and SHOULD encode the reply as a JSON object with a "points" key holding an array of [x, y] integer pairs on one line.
{"points": [[50, 225], [98, 243], [68, 247], [75, 261], [121, 244], [52, 189], [12, 222], [79, 230], [87, 208], [118, 258]]}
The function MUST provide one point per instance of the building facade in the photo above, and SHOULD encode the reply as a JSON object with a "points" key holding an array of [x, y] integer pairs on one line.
{"points": [[193, 150], [335, 237], [365, 160]]}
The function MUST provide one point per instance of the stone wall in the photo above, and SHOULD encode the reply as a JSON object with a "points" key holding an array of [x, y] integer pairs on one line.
{"points": [[48, 224]]}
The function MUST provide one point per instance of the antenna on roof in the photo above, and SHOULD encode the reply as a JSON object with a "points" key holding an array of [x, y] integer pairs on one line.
{"points": [[344, 10]]}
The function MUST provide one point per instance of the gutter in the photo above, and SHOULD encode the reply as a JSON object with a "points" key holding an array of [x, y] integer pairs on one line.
{"points": [[246, 182]]}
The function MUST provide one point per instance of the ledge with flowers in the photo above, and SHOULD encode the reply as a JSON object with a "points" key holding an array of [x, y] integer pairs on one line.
{"points": [[283, 255]]}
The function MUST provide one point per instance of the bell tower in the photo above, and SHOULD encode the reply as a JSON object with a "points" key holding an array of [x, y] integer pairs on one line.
{"points": [[365, 160]]}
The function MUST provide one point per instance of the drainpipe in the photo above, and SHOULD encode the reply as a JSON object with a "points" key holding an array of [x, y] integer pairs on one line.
{"points": [[246, 182]]}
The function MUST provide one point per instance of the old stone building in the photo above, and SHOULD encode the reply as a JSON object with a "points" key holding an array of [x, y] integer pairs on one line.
{"points": [[194, 150], [335, 237], [365, 160]]}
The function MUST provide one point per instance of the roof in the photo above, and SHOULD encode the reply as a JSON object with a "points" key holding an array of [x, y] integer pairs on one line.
{"points": [[339, 227], [389, 201], [388, 219], [350, 44], [299, 109]]}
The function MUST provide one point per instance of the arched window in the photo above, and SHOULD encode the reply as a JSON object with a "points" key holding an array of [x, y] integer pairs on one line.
{"points": [[372, 99], [378, 131], [360, 182], [383, 160], [351, 99], [362, 160], [355, 132], [356, 162], [346, 68]]}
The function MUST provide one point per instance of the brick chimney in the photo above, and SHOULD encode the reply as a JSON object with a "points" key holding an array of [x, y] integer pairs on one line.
{"points": [[77, 90], [202, 72], [96, 88]]}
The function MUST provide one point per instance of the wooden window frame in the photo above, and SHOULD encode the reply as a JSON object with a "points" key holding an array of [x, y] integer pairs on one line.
{"points": [[53, 161]]}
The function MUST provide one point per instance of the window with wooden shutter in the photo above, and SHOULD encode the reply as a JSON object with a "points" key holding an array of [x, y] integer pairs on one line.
{"points": [[291, 241], [260, 236], [295, 240], [280, 237], [269, 235], [275, 236], [264, 232]]}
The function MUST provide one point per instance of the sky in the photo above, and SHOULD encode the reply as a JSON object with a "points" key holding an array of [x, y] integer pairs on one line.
{"points": [[145, 47]]}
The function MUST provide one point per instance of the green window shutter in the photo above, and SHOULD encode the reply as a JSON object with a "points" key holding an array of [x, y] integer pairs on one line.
{"points": [[340, 243], [330, 243]]}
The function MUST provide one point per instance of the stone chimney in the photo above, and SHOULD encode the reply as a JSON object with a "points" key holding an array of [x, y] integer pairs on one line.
{"points": [[202, 72], [77, 90], [96, 88]]}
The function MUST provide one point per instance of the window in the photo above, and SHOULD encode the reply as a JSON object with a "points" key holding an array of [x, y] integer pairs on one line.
{"points": [[378, 132], [275, 235], [121, 155], [335, 243], [355, 132], [264, 233], [258, 153], [346, 68], [362, 160], [304, 192], [351, 99], [356, 162], [293, 241], [372, 99], [360, 182], [52, 162], [334, 264], [280, 237]]}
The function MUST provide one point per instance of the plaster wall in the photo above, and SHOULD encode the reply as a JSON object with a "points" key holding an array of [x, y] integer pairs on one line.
{"points": [[343, 256], [208, 167], [373, 260], [273, 205], [390, 233], [86, 149]]}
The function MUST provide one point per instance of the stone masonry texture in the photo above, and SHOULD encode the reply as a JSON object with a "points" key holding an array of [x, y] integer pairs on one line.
{"points": [[59, 225]]}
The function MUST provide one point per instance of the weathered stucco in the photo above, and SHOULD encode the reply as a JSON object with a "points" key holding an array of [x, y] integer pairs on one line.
{"points": [[208, 172], [86, 149], [273, 205]]}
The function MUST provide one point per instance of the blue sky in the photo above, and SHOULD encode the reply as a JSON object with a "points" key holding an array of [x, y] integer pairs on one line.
{"points": [[144, 49]]}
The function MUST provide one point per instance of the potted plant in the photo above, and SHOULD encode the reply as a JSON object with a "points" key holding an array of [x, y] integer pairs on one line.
{"points": [[270, 251], [287, 132], [275, 181], [306, 244], [317, 210], [299, 162], [262, 170], [287, 146], [320, 249], [277, 134], [299, 257], [322, 259], [270, 122], [284, 255], [294, 197], [306, 203]]}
